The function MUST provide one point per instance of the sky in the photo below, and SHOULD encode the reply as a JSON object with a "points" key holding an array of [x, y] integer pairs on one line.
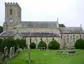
{"points": [[69, 12]]}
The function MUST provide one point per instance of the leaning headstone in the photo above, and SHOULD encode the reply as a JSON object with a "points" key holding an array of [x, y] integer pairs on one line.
{"points": [[10, 52], [5, 53]]}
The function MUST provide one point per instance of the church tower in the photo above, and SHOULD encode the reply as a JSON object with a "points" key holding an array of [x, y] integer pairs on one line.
{"points": [[12, 16]]}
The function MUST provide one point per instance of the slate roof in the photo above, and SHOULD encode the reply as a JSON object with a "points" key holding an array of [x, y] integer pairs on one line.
{"points": [[36, 24], [7, 34], [28, 34], [71, 30], [40, 34]]}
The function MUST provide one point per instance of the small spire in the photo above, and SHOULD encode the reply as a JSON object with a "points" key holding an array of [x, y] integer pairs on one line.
{"points": [[81, 25]]}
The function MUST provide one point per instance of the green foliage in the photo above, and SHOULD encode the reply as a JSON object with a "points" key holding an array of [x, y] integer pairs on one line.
{"points": [[21, 42], [79, 44], [1, 29], [42, 44], [53, 45], [1, 41], [8, 42], [61, 25], [32, 45]]}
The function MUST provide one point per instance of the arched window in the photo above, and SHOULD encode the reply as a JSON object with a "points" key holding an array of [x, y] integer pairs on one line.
{"points": [[80, 36], [74, 38], [61, 36], [19, 14], [11, 11]]}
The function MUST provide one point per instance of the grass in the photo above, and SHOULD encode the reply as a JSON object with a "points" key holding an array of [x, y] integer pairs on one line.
{"points": [[47, 57]]}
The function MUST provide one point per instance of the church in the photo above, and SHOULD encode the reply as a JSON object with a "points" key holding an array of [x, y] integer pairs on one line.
{"points": [[37, 30]]}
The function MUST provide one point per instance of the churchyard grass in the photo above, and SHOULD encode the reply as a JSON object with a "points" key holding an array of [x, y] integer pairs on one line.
{"points": [[47, 57]]}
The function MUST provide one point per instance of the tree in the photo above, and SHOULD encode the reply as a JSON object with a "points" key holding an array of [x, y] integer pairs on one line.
{"points": [[32, 45], [53, 45], [21, 42], [1, 41], [42, 44], [1, 29], [8, 42], [61, 25], [79, 44]]}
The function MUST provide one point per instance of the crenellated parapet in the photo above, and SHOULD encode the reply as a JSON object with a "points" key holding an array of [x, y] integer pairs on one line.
{"points": [[12, 4]]}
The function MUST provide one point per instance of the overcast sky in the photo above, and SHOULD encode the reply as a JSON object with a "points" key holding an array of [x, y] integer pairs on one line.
{"points": [[69, 12]]}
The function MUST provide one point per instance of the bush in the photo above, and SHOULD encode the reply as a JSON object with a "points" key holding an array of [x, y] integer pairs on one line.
{"points": [[8, 42], [1, 41], [53, 45], [79, 44], [32, 45], [21, 42], [42, 44]]}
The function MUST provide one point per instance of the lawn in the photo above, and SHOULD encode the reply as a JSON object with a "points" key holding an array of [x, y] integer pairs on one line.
{"points": [[47, 57]]}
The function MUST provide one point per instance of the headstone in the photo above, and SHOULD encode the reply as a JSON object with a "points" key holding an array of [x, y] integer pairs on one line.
{"points": [[13, 49], [71, 52], [20, 49], [10, 52], [5, 53], [42, 48]]}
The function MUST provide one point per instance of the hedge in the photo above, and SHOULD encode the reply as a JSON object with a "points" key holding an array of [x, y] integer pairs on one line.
{"points": [[79, 44], [32, 45], [42, 44], [53, 45]]}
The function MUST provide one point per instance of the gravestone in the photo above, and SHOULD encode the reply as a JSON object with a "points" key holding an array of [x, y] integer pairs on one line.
{"points": [[5, 53], [71, 52], [13, 49], [42, 48], [10, 52]]}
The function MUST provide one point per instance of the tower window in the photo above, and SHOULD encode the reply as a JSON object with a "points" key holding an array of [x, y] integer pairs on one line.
{"points": [[19, 14], [11, 11]]}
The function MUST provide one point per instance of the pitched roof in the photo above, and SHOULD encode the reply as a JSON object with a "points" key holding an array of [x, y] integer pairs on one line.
{"points": [[28, 34], [36, 24], [72, 30], [40, 34], [7, 34]]}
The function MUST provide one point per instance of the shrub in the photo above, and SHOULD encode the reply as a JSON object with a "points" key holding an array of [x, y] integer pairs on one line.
{"points": [[42, 44], [53, 45], [8, 42], [1, 41], [32, 45], [79, 44], [21, 42]]}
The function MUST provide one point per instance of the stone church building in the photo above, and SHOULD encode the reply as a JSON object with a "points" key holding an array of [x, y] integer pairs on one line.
{"points": [[37, 30]]}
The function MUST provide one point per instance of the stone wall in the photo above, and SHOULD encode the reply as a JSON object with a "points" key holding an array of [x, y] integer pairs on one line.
{"points": [[70, 39], [36, 40]]}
